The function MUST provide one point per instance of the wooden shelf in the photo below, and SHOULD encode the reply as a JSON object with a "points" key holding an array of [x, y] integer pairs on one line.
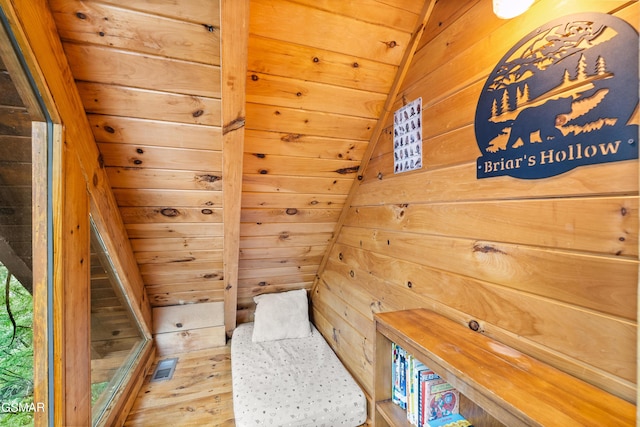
{"points": [[512, 388], [392, 413]]}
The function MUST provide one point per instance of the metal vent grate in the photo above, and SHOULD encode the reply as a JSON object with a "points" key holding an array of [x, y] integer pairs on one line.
{"points": [[164, 370]]}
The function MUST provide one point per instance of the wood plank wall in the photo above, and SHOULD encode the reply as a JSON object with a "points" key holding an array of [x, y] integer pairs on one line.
{"points": [[302, 148], [546, 266], [148, 74]]}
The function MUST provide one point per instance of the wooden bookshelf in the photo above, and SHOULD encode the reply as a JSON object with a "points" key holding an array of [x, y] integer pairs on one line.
{"points": [[498, 385]]}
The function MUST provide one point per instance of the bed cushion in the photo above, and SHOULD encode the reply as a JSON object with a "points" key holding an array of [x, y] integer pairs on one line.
{"points": [[281, 315], [293, 382]]}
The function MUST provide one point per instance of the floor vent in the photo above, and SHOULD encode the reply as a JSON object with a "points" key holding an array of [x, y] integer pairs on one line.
{"points": [[164, 370]]}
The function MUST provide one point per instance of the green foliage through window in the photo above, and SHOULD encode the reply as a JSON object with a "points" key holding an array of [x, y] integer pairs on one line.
{"points": [[16, 353]]}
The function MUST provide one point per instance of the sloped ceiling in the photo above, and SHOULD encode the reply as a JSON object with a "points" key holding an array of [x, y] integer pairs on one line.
{"points": [[319, 74]]}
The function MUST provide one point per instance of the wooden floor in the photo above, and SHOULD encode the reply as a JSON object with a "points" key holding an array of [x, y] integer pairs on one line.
{"points": [[199, 393]]}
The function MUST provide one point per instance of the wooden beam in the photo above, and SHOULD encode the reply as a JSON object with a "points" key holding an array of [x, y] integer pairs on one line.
{"points": [[41, 272], [235, 35], [16, 265], [386, 111]]}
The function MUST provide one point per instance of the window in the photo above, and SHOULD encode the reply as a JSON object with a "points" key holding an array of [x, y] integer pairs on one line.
{"points": [[117, 339], [24, 241]]}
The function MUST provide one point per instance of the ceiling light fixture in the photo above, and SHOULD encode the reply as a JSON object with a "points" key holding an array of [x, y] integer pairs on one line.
{"points": [[507, 9]]}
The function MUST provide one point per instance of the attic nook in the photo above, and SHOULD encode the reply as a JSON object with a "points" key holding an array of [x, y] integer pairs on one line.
{"points": [[178, 175]]}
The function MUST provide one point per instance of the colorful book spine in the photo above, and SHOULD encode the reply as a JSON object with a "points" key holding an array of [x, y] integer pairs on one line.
{"points": [[403, 378], [395, 374], [423, 378], [398, 374], [455, 420], [441, 399], [413, 413], [418, 390]]}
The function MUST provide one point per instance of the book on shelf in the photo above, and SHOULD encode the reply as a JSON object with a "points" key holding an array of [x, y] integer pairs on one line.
{"points": [[421, 392], [398, 372], [440, 399], [455, 420]]}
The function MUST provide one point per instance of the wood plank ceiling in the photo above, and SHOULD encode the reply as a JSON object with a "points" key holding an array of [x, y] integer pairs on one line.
{"points": [[319, 74]]}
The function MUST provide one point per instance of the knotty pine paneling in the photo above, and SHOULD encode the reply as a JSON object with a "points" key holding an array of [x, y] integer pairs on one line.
{"points": [[547, 266], [198, 11], [295, 93], [355, 35], [298, 145], [155, 197], [284, 119], [109, 99], [390, 14], [138, 32], [284, 200], [126, 177], [323, 66], [459, 182], [103, 64], [316, 88], [148, 231], [274, 184], [130, 130], [562, 223], [150, 81]]}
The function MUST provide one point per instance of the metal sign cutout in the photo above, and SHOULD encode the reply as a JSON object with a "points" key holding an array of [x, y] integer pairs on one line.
{"points": [[561, 98]]}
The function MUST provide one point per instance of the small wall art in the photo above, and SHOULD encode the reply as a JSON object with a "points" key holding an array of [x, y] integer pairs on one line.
{"points": [[407, 137]]}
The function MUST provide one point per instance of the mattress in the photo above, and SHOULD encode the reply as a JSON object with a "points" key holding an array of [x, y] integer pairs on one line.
{"points": [[292, 382]]}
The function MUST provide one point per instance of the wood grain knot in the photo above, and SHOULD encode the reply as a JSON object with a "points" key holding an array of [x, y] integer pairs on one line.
{"points": [[474, 325], [291, 211], [345, 171], [486, 249], [291, 137], [208, 178], [170, 212]]}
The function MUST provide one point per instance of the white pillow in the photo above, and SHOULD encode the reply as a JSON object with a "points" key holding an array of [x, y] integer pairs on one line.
{"points": [[281, 315]]}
